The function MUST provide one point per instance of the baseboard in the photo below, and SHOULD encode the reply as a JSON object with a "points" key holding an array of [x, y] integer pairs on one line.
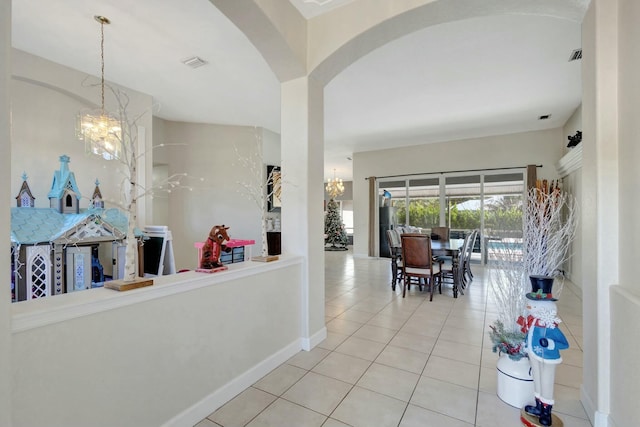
{"points": [[588, 404], [309, 343], [602, 420], [597, 418], [196, 413]]}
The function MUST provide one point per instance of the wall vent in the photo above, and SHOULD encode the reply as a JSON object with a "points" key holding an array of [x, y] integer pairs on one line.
{"points": [[575, 55], [194, 62]]}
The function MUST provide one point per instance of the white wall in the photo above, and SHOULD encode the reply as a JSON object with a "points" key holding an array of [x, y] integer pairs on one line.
{"points": [[5, 218], [625, 299], [150, 359], [591, 315], [45, 98], [572, 184], [606, 197], [208, 152], [515, 150]]}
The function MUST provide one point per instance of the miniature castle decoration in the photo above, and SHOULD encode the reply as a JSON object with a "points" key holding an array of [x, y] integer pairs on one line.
{"points": [[56, 249], [25, 199], [64, 195], [96, 198]]}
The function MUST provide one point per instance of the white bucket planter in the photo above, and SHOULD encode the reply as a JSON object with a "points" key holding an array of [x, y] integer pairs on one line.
{"points": [[515, 383]]}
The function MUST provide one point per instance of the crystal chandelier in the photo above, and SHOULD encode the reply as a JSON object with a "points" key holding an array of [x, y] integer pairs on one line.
{"points": [[335, 187], [100, 130]]}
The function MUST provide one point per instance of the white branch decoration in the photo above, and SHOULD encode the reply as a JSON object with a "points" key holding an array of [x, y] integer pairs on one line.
{"points": [[550, 223], [131, 191], [256, 187], [509, 284]]}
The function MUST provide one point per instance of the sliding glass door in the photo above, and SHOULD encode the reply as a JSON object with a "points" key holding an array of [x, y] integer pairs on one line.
{"points": [[503, 213], [489, 201]]}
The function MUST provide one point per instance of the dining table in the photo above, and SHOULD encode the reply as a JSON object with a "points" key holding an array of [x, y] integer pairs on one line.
{"points": [[450, 248], [439, 248]]}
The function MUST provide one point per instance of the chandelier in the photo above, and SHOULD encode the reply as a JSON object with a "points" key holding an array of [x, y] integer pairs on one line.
{"points": [[100, 130], [335, 187]]}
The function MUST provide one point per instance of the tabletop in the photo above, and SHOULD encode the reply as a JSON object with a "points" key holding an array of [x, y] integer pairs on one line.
{"points": [[452, 245]]}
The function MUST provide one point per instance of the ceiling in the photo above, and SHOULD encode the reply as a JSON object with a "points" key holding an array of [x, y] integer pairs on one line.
{"points": [[465, 79]]}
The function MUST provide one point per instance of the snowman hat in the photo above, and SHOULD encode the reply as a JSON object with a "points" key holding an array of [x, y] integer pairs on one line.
{"points": [[541, 288]]}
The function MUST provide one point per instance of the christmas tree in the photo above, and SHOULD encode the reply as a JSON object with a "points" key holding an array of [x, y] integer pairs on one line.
{"points": [[334, 228]]}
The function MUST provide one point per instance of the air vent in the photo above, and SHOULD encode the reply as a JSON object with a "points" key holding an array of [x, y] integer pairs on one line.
{"points": [[544, 117], [575, 55], [194, 62], [319, 2]]}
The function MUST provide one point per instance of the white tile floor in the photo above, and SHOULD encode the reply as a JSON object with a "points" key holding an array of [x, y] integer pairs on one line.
{"points": [[389, 361]]}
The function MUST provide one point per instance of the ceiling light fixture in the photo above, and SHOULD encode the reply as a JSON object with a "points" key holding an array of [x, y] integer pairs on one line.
{"points": [[335, 187], [100, 130]]}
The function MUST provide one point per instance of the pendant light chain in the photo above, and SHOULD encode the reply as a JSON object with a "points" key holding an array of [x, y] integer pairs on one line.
{"points": [[100, 129], [102, 59]]}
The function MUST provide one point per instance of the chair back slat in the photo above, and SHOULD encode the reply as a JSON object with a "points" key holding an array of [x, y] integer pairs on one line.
{"points": [[472, 241]]}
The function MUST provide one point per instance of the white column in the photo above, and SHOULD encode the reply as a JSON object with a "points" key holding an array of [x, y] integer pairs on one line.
{"points": [[302, 151], [600, 202], [5, 219]]}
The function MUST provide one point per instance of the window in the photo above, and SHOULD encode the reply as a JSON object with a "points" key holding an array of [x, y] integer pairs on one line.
{"points": [[424, 203], [25, 200], [347, 215]]}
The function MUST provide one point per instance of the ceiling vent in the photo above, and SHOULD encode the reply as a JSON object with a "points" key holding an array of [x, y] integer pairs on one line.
{"points": [[544, 117], [194, 62], [575, 55], [319, 2]]}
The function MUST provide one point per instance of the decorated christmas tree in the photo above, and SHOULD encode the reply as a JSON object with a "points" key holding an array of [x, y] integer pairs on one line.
{"points": [[334, 228]]}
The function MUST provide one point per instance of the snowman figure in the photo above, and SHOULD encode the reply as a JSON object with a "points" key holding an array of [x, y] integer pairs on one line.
{"points": [[543, 345]]}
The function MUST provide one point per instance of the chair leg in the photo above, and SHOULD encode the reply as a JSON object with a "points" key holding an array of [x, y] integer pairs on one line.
{"points": [[404, 285]]}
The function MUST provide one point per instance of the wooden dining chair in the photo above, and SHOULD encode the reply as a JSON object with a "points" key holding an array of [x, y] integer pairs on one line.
{"points": [[447, 273], [466, 264], [393, 240], [441, 232], [418, 263]]}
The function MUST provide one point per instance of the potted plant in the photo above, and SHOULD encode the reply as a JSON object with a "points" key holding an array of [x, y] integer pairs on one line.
{"points": [[508, 285]]}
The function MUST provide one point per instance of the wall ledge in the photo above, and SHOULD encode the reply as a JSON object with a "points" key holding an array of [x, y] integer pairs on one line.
{"points": [[32, 314], [570, 162]]}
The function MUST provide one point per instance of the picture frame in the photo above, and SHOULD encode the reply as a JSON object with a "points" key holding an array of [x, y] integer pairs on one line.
{"points": [[274, 188]]}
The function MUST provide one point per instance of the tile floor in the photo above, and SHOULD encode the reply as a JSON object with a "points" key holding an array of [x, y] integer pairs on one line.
{"points": [[389, 361]]}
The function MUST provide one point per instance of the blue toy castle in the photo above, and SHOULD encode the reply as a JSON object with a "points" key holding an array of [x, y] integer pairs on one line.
{"points": [[57, 249]]}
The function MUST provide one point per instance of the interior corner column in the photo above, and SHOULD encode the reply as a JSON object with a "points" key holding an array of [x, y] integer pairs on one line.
{"points": [[600, 210], [302, 152], [5, 219]]}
